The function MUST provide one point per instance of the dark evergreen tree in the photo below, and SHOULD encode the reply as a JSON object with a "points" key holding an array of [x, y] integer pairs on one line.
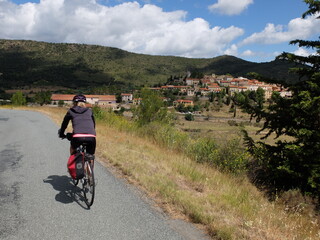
{"points": [[294, 162], [118, 98]]}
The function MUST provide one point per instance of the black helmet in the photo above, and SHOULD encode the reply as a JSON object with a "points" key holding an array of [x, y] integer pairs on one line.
{"points": [[79, 98]]}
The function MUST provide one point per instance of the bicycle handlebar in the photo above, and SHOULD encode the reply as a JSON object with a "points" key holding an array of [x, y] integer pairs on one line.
{"points": [[65, 136], [69, 136]]}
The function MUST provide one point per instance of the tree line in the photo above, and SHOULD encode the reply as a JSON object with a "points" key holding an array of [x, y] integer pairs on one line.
{"points": [[42, 97]]}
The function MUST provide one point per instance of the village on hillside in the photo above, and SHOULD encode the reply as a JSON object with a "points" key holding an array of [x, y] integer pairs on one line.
{"points": [[187, 89]]}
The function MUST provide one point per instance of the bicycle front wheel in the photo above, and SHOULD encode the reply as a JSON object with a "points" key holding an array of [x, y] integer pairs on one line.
{"points": [[88, 184]]}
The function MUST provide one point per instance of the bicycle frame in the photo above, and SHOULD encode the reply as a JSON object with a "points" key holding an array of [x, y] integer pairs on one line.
{"points": [[88, 182]]}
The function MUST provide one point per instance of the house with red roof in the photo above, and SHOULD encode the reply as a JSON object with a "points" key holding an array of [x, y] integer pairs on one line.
{"points": [[204, 91], [126, 97], [137, 101], [186, 103], [214, 87], [66, 98], [205, 82], [233, 89], [242, 89], [100, 100]]}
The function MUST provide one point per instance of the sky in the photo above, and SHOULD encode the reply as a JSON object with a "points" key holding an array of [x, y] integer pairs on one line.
{"points": [[254, 30]]}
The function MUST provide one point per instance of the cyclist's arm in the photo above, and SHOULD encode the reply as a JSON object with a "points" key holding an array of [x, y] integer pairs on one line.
{"points": [[94, 122], [65, 123]]}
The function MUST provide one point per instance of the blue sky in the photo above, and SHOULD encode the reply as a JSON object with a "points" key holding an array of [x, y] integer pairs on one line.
{"points": [[254, 30]]}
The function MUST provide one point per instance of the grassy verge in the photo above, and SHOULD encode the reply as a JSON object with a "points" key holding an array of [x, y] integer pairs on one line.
{"points": [[227, 205]]}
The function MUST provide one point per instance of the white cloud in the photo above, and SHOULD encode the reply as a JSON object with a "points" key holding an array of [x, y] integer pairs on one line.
{"points": [[233, 50], [248, 53], [273, 34], [230, 7], [129, 26], [303, 52]]}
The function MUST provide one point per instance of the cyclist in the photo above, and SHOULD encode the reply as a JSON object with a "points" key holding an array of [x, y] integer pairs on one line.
{"points": [[83, 125]]}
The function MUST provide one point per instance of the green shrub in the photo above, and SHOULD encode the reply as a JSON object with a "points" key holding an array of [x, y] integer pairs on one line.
{"points": [[60, 103], [18, 99], [113, 119], [166, 135], [189, 117], [98, 113], [203, 149], [232, 123], [231, 157]]}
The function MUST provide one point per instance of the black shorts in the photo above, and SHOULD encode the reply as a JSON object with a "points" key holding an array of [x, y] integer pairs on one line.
{"points": [[90, 143]]}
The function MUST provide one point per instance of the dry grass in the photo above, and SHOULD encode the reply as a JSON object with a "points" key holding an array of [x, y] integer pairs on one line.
{"points": [[228, 206]]}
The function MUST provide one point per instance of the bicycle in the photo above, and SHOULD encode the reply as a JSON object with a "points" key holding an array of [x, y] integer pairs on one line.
{"points": [[88, 182]]}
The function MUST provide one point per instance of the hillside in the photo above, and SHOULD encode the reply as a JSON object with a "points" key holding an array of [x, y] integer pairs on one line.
{"points": [[228, 206], [31, 63]]}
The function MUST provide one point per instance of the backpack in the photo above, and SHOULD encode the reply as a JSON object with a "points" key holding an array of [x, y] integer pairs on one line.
{"points": [[76, 165]]}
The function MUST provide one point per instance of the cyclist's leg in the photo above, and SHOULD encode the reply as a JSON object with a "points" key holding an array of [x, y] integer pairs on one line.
{"points": [[91, 145], [91, 148], [74, 144]]}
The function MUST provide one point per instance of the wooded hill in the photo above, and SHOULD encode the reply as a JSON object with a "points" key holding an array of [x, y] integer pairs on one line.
{"points": [[31, 63]]}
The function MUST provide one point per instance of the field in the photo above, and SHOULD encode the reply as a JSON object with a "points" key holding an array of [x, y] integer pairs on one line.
{"points": [[222, 126], [227, 206]]}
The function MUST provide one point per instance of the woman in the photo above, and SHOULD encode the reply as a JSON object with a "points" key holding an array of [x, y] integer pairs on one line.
{"points": [[83, 125]]}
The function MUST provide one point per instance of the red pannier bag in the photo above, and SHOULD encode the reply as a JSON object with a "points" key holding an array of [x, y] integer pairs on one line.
{"points": [[76, 165]]}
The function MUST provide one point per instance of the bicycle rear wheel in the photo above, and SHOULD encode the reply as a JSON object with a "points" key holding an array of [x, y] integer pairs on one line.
{"points": [[88, 184], [75, 181]]}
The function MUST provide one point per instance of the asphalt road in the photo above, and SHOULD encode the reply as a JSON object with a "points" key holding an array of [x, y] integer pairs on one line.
{"points": [[38, 200]]}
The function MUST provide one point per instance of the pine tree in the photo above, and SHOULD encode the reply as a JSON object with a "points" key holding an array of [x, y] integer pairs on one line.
{"points": [[295, 162]]}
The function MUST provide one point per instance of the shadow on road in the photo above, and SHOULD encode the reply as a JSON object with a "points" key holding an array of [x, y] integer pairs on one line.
{"points": [[67, 191]]}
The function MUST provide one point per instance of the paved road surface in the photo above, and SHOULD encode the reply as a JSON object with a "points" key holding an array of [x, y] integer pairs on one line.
{"points": [[38, 200]]}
